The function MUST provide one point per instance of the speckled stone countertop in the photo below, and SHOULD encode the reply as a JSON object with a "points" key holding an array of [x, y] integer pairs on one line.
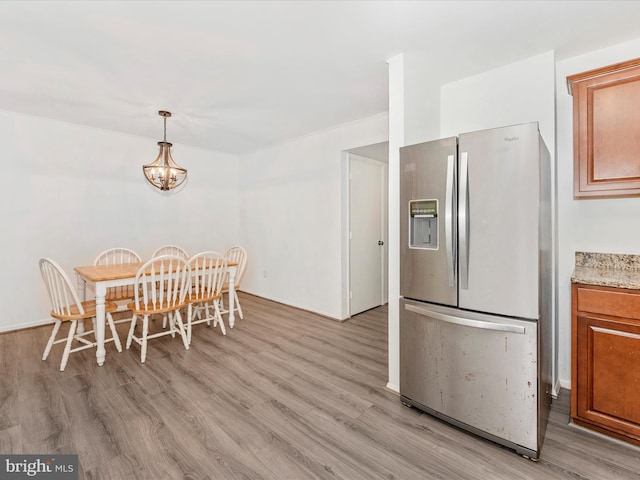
{"points": [[607, 270]]}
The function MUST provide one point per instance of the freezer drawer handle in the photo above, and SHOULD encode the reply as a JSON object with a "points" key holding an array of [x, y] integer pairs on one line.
{"points": [[465, 321]]}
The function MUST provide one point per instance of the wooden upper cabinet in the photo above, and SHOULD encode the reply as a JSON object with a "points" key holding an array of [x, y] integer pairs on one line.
{"points": [[606, 131]]}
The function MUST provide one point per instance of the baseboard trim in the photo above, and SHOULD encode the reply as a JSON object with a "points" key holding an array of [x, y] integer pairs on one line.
{"points": [[275, 300], [393, 388], [25, 326]]}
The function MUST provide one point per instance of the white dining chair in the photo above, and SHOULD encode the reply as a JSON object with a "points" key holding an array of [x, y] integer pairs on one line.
{"points": [[237, 255], [67, 307], [161, 286], [170, 250], [124, 294], [208, 271]]}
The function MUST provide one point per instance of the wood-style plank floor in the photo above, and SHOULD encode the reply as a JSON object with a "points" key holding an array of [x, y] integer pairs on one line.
{"points": [[285, 395]]}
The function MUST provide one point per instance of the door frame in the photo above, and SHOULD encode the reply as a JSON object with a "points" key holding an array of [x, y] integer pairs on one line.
{"points": [[377, 153]]}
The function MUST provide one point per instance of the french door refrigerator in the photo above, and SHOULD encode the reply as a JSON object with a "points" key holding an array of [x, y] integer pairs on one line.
{"points": [[475, 282]]}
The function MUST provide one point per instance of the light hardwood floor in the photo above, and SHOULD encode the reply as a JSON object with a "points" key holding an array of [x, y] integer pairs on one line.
{"points": [[285, 395]]}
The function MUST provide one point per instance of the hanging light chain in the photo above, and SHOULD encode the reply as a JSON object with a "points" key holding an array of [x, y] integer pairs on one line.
{"points": [[165, 127]]}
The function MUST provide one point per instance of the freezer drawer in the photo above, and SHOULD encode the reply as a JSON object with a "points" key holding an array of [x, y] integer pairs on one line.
{"points": [[477, 371]]}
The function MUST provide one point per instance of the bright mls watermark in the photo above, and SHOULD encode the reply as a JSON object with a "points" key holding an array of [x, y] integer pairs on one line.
{"points": [[49, 467]]}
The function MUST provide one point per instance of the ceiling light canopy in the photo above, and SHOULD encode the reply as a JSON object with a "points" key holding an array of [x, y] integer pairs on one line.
{"points": [[164, 173]]}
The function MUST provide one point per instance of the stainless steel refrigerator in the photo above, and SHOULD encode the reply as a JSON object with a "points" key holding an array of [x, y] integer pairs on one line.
{"points": [[475, 277]]}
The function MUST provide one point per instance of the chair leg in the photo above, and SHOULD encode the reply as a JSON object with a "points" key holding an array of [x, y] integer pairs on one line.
{"points": [[207, 315], [237, 304], [114, 333], [67, 347], [219, 318], [145, 332], [172, 321], [131, 329], [52, 338], [183, 334], [190, 314]]}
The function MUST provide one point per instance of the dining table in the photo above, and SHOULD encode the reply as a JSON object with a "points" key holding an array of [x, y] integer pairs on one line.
{"points": [[119, 275]]}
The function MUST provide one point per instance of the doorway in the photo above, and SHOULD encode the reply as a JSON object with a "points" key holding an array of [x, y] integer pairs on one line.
{"points": [[368, 225]]}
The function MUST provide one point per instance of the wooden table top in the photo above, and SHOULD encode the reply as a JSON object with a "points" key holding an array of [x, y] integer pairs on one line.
{"points": [[100, 273]]}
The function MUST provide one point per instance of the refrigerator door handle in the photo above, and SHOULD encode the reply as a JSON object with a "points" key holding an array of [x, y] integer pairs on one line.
{"points": [[448, 221], [463, 216], [467, 322]]}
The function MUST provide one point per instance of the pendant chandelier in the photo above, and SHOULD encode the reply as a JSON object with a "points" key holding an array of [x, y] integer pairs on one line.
{"points": [[164, 173]]}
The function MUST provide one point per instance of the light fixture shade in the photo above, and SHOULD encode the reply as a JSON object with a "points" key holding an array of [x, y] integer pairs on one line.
{"points": [[164, 173]]}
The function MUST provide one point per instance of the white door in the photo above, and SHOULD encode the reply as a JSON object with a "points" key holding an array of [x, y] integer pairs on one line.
{"points": [[367, 248]]}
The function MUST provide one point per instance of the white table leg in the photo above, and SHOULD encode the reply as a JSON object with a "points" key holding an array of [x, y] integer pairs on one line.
{"points": [[101, 292], [232, 281], [82, 292]]}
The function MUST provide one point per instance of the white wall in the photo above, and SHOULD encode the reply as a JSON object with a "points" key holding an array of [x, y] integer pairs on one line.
{"points": [[594, 225], [421, 108], [291, 214], [70, 191], [520, 92]]}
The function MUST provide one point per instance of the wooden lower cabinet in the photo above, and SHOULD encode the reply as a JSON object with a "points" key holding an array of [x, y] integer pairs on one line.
{"points": [[605, 390]]}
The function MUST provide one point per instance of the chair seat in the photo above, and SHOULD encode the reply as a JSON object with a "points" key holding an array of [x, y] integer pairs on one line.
{"points": [[151, 309], [201, 298], [89, 310], [225, 287]]}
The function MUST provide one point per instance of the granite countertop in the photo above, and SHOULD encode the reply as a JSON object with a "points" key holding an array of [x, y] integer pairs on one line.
{"points": [[607, 270]]}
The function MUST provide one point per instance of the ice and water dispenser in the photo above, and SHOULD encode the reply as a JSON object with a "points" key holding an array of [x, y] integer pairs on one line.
{"points": [[423, 224]]}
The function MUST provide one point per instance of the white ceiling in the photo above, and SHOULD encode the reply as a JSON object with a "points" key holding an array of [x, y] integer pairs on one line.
{"points": [[241, 75]]}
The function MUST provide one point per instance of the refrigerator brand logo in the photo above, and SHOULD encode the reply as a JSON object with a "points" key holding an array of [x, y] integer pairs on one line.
{"points": [[511, 139]]}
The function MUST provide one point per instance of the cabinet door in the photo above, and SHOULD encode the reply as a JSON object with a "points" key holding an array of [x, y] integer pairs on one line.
{"points": [[605, 129], [608, 373]]}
